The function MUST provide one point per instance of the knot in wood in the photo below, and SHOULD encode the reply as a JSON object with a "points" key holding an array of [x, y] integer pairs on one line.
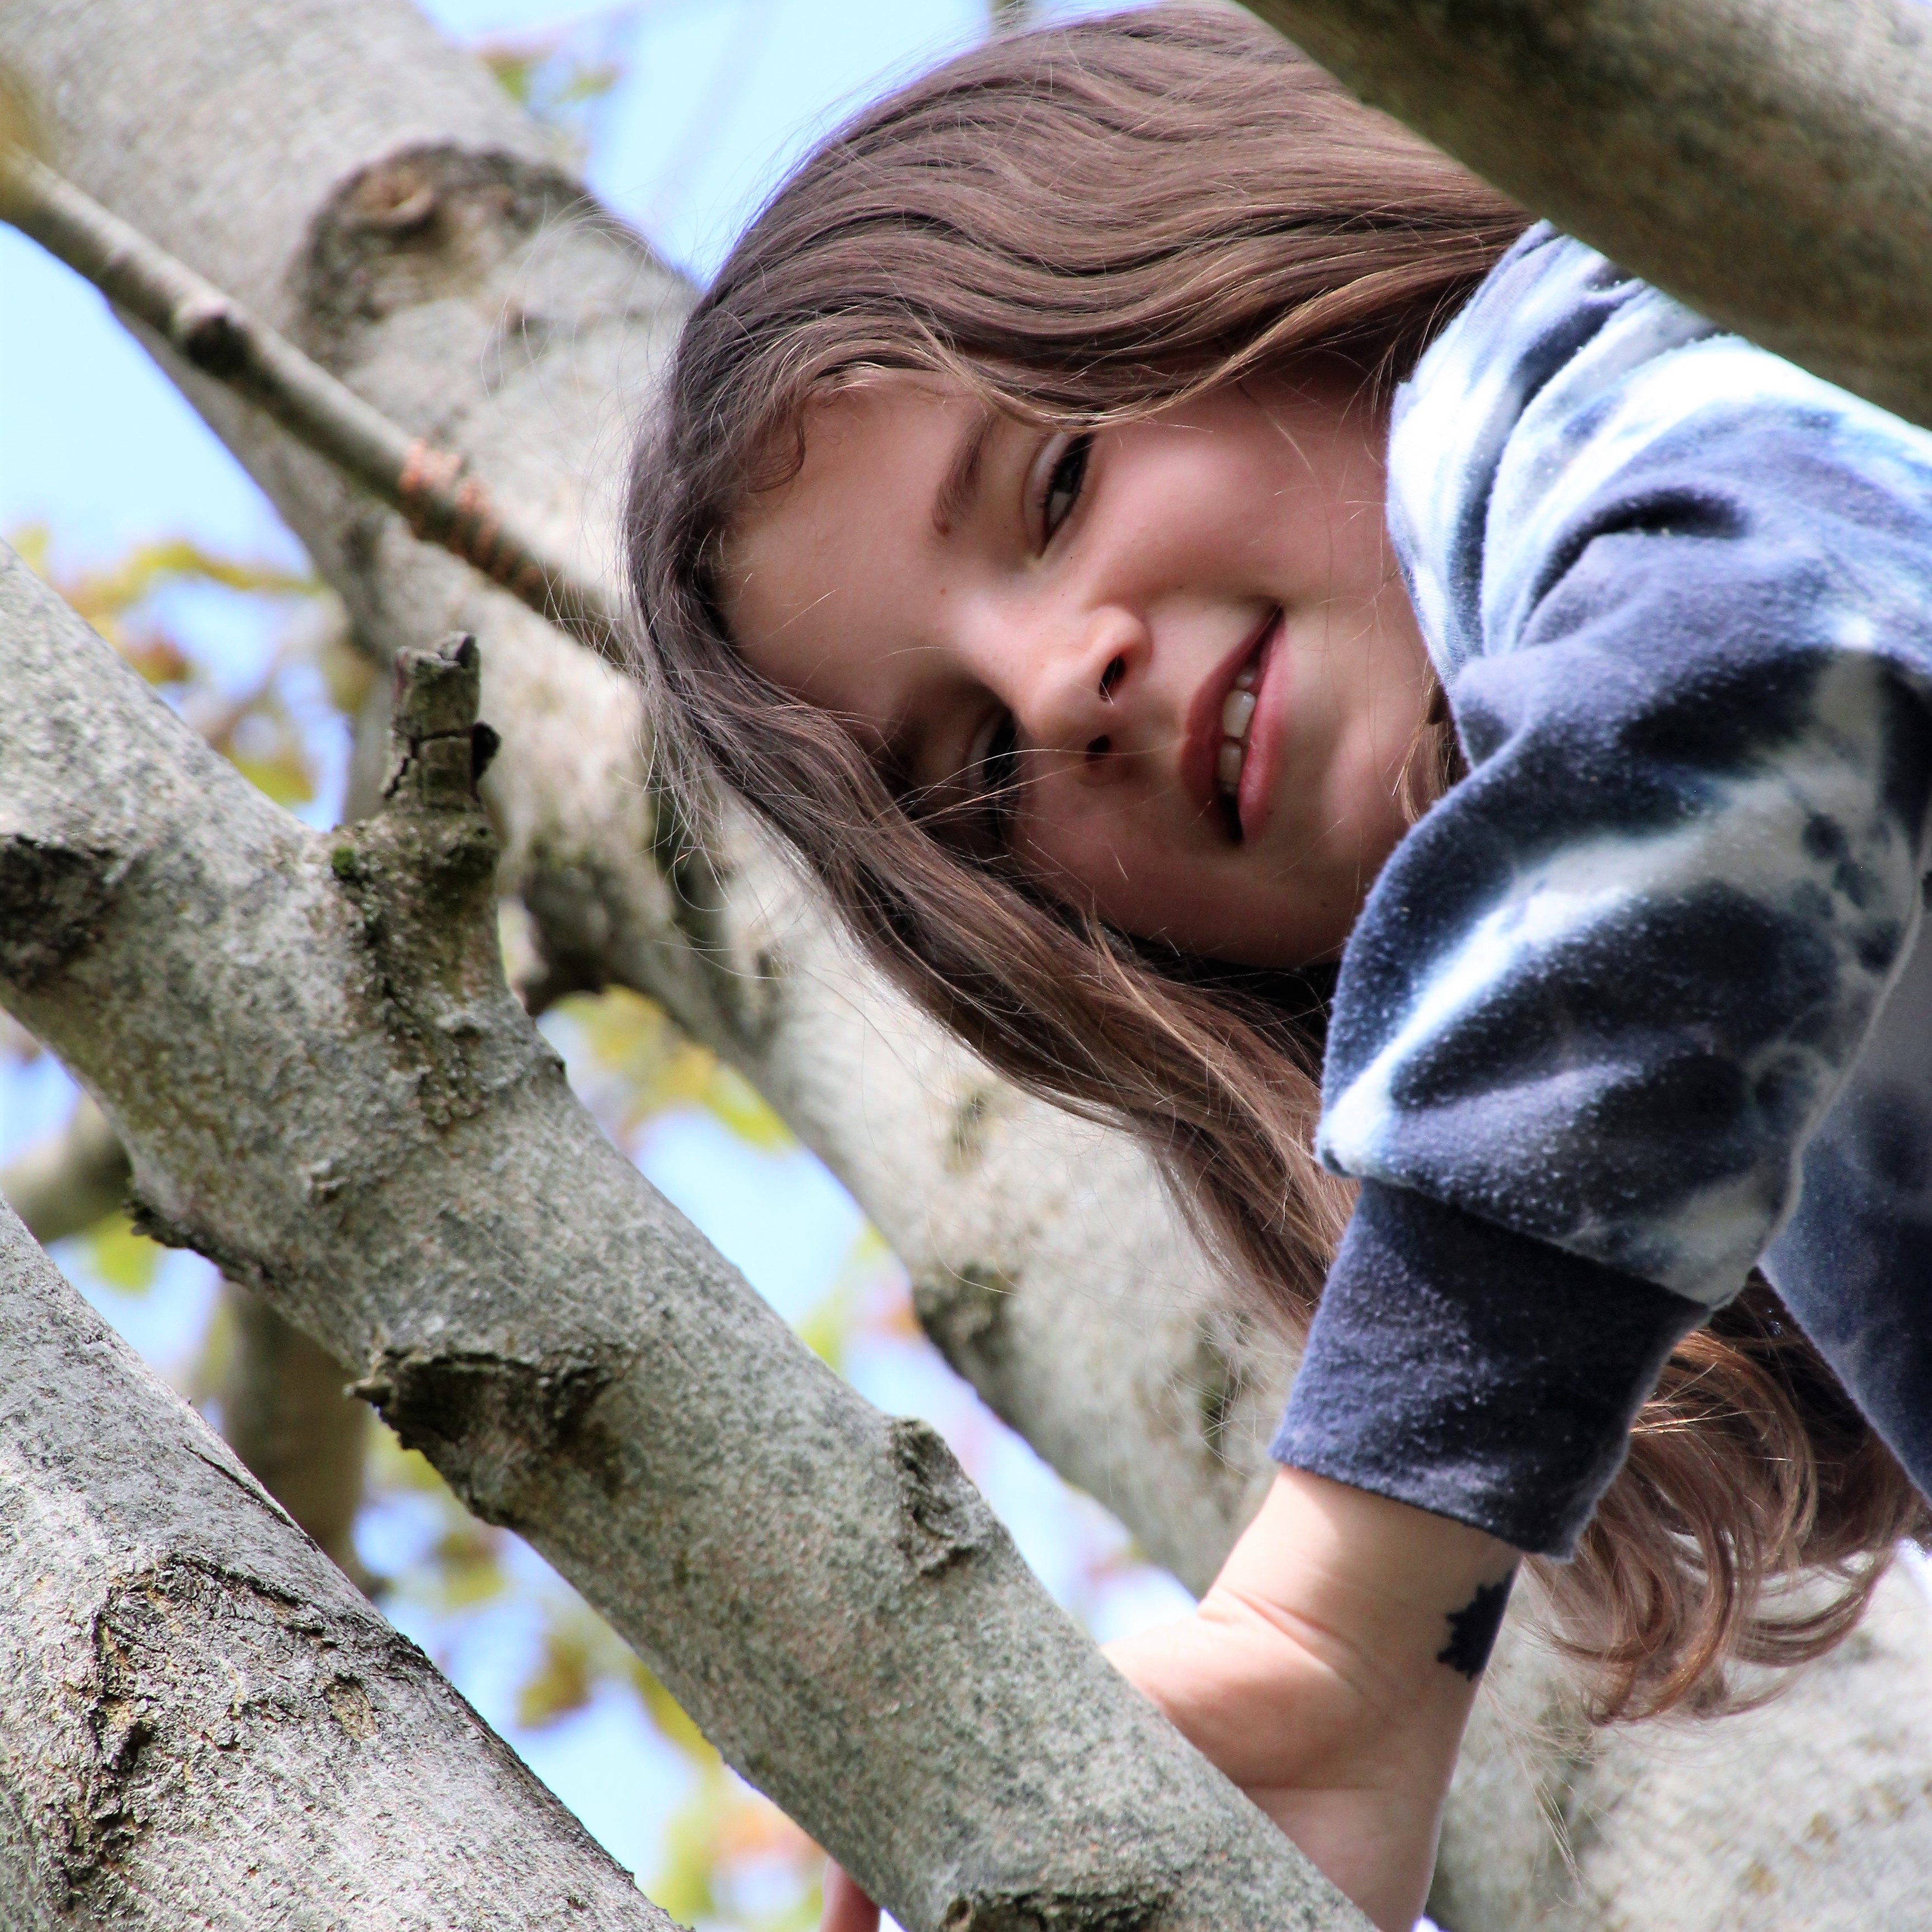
{"points": [[943, 1518], [214, 335], [395, 197], [1130, 1908], [54, 897], [502, 1430]]}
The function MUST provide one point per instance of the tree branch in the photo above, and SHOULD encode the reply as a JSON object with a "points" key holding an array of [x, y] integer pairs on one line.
{"points": [[200, 1721], [306, 1044], [429, 487], [1769, 162]]}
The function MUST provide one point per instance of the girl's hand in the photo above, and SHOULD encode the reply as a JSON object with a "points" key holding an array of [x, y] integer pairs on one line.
{"points": [[847, 1908], [1329, 1672]]}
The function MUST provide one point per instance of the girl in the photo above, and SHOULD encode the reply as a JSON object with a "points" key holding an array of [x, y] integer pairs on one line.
{"points": [[1144, 529]]}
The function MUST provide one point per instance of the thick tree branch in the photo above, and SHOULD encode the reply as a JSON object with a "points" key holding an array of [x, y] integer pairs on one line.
{"points": [[201, 1723], [1769, 162], [306, 1044]]}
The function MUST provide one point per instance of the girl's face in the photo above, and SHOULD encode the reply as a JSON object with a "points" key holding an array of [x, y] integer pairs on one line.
{"points": [[1169, 667]]}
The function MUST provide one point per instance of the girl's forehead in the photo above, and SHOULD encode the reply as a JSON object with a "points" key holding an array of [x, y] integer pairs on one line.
{"points": [[866, 447], [829, 580]]}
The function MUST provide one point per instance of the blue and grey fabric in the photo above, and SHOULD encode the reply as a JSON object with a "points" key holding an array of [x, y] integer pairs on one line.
{"points": [[1608, 1033]]}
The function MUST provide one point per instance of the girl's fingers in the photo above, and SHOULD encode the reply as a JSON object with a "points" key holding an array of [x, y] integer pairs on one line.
{"points": [[847, 1908]]}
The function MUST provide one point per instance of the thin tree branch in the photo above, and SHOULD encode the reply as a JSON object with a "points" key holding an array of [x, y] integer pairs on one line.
{"points": [[305, 1043], [428, 486], [201, 1723], [1769, 162]]}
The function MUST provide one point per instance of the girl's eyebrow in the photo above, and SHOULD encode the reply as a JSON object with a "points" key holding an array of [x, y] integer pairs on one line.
{"points": [[961, 483]]}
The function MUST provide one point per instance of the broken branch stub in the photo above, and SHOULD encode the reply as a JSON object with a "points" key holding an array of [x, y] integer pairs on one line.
{"points": [[306, 1044]]}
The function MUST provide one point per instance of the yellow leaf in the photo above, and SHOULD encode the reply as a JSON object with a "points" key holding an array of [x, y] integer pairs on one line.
{"points": [[285, 778], [561, 1682], [121, 1257]]}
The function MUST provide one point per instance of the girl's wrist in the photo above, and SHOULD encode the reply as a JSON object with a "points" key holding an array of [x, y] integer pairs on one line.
{"points": [[1403, 1603]]}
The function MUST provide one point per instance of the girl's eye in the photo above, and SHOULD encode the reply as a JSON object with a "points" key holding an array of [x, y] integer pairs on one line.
{"points": [[1063, 484], [993, 774]]}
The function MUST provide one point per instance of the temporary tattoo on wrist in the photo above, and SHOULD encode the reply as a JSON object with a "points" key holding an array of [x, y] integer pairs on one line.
{"points": [[1472, 1629]]}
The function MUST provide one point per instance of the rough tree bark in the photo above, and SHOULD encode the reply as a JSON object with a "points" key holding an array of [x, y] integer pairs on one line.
{"points": [[368, 192], [201, 1723], [305, 1043], [283, 1408]]}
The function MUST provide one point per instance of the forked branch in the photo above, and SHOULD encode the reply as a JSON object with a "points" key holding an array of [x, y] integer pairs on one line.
{"points": [[305, 1043]]}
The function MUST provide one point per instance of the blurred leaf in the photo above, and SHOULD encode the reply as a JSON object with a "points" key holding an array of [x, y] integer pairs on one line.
{"points": [[393, 1467], [742, 1108], [649, 1068], [721, 1836], [513, 66], [348, 674], [467, 1565], [119, 1257], [667, 1715], [286, 778], [106, 597], [559, 77], [255, 727], [827, 1328], [561, 1681], [159, 659]]}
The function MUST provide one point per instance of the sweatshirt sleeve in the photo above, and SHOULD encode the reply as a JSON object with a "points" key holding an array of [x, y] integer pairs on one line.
{"points": [[1680, 596]]}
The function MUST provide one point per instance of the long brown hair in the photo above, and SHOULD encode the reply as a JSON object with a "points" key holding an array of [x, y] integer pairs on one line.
{"points": [[1083, 224]]}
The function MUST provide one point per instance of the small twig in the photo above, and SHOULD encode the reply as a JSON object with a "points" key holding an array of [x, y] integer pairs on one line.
{"points": [[218, 336]]}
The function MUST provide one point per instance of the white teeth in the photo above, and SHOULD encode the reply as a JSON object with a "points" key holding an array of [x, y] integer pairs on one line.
{"points": [[1237, 713]]}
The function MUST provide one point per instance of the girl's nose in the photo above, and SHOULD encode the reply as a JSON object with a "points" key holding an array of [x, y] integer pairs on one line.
{"points": [[1081, 700]]}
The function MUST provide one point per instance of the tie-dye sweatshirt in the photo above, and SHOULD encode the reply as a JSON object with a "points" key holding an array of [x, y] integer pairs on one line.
{"points": [[1636, 1006]]}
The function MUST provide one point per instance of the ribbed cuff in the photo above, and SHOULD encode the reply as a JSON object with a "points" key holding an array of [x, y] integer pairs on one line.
{"points": [[1474, 1373]]}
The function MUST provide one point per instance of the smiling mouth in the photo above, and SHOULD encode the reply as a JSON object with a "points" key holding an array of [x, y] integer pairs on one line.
{"points": [[1237, 717]]}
